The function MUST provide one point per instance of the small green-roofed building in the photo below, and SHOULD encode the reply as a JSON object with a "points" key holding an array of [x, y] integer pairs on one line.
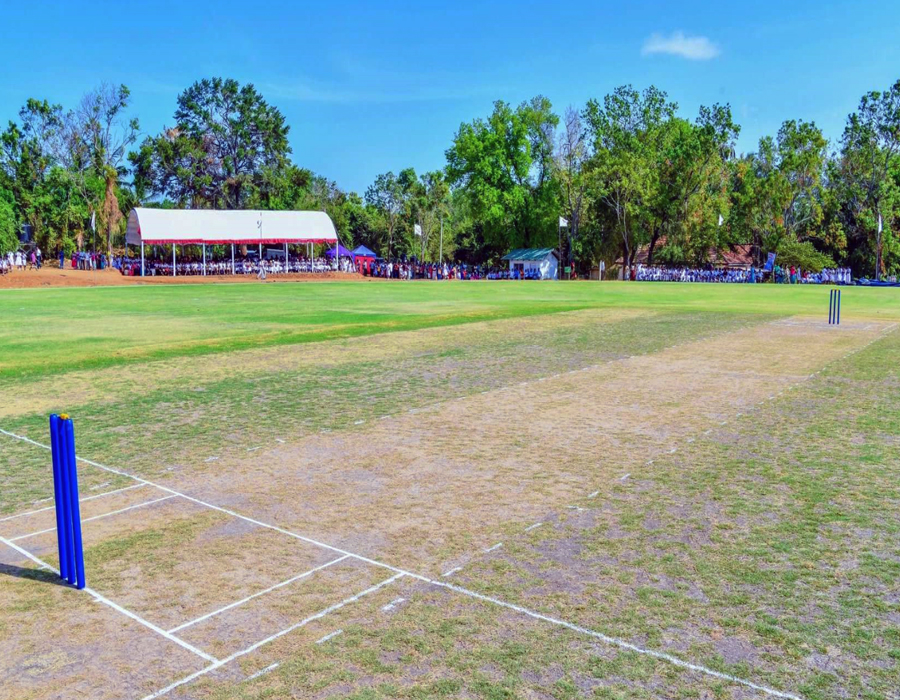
{"points": [[531, 262]]}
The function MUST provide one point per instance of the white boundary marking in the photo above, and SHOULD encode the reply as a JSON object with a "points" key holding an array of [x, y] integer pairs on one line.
{"points": [[332, 635], [613, 641], [452, 571], [267, 640], [263, 672], [80, 500], [115, 606], [96, 517], [258, 594]]}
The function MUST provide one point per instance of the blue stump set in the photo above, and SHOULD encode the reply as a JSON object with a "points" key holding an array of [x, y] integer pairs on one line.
{"points": [[65, 493], [834, 308]]}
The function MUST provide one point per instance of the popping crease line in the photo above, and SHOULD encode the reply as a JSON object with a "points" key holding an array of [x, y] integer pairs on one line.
{"points": [[282, 584]]}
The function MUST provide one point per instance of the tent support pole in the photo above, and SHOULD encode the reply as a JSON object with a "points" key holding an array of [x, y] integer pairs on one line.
{"points": [[285, 259], [142, 258], [232, 258], [204, 259], [174, 269]]}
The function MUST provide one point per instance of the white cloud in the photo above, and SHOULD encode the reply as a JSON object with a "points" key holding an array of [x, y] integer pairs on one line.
{"points": [[693, 48]]}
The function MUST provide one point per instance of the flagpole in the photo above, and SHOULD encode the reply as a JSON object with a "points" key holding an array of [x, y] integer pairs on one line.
{"points": [[559, 244]]}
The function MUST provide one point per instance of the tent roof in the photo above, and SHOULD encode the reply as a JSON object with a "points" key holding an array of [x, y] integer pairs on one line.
{"points": [[234, 226], [361, 250], [529, 253], [341, 249]]}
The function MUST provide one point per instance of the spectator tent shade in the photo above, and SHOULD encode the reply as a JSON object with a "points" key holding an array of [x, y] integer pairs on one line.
{"points": [[233, 227]]}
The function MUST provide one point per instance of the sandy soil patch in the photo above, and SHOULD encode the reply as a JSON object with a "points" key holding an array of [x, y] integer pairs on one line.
{"points": [[51, 276]]}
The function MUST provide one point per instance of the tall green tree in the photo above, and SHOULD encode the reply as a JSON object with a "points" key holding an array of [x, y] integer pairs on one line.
{"points": [[869, 152], [97, 136], [225, 138], [572, 154], [504, 165], [386, 197], [627, 131]]}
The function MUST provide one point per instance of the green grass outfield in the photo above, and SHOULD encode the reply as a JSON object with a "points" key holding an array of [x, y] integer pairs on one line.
{"points": [[49, 330]]}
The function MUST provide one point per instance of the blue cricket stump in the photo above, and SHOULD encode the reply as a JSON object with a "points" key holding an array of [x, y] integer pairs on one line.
{"points": [[65, 495]]}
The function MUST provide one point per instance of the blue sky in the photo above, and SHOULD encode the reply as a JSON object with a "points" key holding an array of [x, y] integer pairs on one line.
{"points": [[371, 87]]}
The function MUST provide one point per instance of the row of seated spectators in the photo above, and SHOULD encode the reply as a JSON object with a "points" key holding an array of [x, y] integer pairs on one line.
{"points": [[655, 273], [779, 275], [406, 270], [242, 266]]}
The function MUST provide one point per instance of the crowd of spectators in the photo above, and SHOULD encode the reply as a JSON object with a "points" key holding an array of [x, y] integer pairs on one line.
{"points": [[780, 275], [654, 273], [413, 270], [244, 265], [21, 260]]}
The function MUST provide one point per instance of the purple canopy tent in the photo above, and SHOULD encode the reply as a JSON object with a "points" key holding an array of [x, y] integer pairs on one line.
{"points": [[343, 251]]}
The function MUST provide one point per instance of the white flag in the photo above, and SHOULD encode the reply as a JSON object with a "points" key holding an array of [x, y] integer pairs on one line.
{"points": [[879, 222], [563, 222], [417, 229], [93, 221], [721, 220]]}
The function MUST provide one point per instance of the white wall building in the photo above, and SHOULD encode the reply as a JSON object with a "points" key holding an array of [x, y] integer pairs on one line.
{"points": [[543, 260]]}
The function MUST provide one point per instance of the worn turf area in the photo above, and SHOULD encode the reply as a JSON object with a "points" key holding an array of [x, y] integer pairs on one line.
{"points": [[485, 491]]}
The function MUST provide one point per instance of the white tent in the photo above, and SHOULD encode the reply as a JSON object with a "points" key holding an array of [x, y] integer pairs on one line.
{"points": [[242, 227], [230, 227]]}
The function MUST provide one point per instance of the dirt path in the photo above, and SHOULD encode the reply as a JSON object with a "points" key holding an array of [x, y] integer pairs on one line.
{"points": [[54, 277]]}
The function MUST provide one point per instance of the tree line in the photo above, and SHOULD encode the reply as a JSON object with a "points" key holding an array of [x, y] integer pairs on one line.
{"points": [[627, 173]]}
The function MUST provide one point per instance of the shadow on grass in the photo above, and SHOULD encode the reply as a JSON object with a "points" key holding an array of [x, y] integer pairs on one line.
{"points": [[42, 575]]}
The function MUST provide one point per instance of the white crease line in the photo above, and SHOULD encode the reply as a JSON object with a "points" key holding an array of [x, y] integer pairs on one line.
{"points": [[80, 500], [115, 606], [399, 572], [491, 549], [263, 672], [452, 571], [211, 459], [532, 527], [258, 594], [613, 641], [593, 494], [622, 478], [99, 486], [329, 636], [393, 604], [96, 517], [267, 640]]}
